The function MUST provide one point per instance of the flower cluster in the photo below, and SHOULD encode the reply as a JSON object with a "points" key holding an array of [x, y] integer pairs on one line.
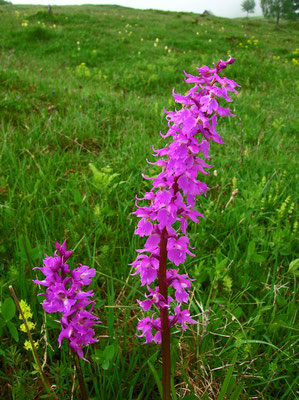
{"points": [[26, 310], [65, 294], [172, 197], [28, 316]]}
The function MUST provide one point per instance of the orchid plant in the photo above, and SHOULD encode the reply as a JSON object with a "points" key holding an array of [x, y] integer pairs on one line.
{"points": [[171, 205], [65, 294]]}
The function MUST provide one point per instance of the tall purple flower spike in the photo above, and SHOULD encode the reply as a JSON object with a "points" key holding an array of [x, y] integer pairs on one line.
{"points": [[65, 294], [172, 197]]}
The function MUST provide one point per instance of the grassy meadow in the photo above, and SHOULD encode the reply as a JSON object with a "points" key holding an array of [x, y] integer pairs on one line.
{"points": [[82, 93]]}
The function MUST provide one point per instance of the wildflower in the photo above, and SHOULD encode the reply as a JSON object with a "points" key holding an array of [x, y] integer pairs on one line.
{"points": [[65, 294], [28, 346], [30, 324], [25, 309], [172, 198], [82, 70]]}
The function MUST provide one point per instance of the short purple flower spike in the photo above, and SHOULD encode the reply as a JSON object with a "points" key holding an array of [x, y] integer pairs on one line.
{"points": [[171, 201], [65, 294]]}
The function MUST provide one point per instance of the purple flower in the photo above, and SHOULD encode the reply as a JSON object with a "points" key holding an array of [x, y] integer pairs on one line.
{"points": [[146, 325], [166, 209], [177, 249], [61, 248], [181, 317], [154, 297], [83, 275], [64, 294], [147, 267]]}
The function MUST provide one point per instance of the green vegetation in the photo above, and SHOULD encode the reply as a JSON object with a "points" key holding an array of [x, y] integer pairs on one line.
{"points": [[277, 9], [82, 92]]}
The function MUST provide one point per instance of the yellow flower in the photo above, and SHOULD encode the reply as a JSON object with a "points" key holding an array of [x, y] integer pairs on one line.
{"points": [[31, 326], [26, 310], [94, 52], [28, 346]]}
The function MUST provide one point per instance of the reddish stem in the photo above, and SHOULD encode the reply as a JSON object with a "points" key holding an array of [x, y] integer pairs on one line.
{"points": [[80, 378], [163, 289], [164, 317]]}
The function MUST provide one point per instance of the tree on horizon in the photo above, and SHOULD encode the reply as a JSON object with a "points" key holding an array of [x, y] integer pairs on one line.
{"points": [[248, 6]]}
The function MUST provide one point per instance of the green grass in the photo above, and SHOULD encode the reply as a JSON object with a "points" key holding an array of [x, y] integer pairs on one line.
{"points": [[58, 116]]}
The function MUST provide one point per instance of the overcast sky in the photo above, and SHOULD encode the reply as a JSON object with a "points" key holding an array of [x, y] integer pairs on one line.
{"points": [[221, 8]]}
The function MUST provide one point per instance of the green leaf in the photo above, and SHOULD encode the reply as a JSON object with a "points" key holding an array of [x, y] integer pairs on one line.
{"points": [[156, 377], [104, 357], [105, 364], [97, 356], [173, 391], [231, 385], [13, 331], [2, 323], [293, 268], [8, 309], [251, 248], [227, 379], [51, 323], [236, 394], [258, 258], [108, 353]]}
